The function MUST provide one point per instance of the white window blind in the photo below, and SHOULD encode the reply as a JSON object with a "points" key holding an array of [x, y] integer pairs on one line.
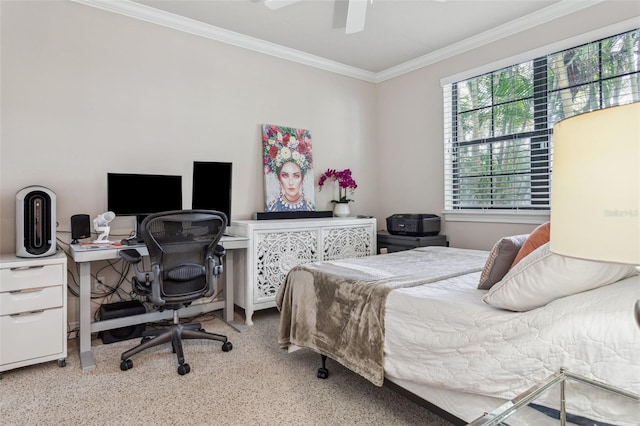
{"points": [[499, 125]]}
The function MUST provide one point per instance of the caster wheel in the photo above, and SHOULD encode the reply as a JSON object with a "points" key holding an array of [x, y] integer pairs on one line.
{"points": [[184, 369], [227, 346], [145, 339], [323, 373], [62, 362], [126, 364]]}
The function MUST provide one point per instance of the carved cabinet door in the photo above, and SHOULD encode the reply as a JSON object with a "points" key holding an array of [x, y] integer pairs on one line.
{"points": [[276, 253], [345, 242]]}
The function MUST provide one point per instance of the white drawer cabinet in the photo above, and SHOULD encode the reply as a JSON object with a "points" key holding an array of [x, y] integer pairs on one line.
{"points": [[33, 310], [276, 246]]}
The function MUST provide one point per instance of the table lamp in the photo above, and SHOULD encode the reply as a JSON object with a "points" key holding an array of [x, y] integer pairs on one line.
{"points": [[595, 202]]}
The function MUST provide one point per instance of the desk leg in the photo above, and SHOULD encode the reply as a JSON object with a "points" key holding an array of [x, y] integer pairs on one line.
{"points": [[228, 312], [86, 355]]}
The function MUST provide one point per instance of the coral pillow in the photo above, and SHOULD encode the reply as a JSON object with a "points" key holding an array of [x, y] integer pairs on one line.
{"points": [[538, 237], [500, 259]]}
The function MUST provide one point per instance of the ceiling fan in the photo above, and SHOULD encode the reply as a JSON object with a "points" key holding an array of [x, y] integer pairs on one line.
{"points": [[356, 12]]}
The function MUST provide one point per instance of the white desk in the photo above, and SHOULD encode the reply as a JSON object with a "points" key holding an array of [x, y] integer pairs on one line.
{"points": [[84, 257]]}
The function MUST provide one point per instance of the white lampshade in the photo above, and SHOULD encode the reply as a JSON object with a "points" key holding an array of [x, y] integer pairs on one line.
{"points": [[595, 203]]}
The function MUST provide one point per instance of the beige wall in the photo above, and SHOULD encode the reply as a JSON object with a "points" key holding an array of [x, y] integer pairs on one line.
{"points": [[86, 92], [410, 131]]}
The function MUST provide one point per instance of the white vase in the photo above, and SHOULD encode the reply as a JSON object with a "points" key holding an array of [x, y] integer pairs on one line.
{"points": [[341, 210]]}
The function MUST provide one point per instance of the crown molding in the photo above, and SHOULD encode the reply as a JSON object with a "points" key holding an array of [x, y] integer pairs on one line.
{"points": [[145, 13], [550, 13], [149, 14], [567, 43]]}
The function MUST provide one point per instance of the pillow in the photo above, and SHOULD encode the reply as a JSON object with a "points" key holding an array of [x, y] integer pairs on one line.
{"points": [[538, 237], [543, 277], [500, 259]]}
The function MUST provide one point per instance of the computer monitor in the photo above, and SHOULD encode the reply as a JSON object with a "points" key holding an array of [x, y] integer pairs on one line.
{"points": [[212, 186], [142, 194]]}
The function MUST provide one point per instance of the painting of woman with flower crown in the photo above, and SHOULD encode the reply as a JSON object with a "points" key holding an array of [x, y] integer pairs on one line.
{"points": [[288, 169]]}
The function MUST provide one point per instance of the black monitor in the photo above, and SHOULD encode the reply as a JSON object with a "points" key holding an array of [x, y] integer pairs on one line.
{"points": [[142, 194], [212, 186]]}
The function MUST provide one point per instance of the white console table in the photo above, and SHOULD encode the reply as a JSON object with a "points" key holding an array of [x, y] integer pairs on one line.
{"points": [[276, 246]]}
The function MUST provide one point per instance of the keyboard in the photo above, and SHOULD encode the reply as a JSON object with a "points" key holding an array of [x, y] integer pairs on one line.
{"points": [[131, 242], [95, 246]]}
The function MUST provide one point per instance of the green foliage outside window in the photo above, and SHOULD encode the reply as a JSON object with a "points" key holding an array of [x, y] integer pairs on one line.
{"points": [[501, 123]]}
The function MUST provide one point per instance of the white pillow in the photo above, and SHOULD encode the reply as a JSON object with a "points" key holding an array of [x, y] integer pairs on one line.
{"points": [[542, 277]]}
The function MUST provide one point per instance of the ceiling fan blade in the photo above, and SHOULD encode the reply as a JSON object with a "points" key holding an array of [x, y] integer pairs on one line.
{"points": [[277, 4], [355, 16]]}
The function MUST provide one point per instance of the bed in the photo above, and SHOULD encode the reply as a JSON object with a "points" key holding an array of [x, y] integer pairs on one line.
{"points": [[417, 319]]}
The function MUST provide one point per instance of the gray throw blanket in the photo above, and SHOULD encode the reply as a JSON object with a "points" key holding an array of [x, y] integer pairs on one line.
{"points": [[336, 308]]}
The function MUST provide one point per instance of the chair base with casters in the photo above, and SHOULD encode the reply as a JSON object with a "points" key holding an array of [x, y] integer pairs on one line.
{"points": [[186, 261], [174, 334]]}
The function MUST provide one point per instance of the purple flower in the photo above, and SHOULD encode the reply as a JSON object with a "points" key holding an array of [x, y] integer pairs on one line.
{"points": [[345, 182]]}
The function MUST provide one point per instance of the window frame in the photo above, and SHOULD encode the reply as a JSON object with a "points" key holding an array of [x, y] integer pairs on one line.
{"points": [[540, 131]]}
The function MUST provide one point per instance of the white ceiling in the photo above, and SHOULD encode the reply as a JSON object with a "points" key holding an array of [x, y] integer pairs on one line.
{"points": [[398, 34]]}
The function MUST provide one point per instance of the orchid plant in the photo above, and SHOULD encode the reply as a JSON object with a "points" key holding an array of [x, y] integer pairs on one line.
{"points": [[345, 183]]}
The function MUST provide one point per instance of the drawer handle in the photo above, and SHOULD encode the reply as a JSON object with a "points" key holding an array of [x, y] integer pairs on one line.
{"points": [[27, 290], [26, 268], [24, 314]]}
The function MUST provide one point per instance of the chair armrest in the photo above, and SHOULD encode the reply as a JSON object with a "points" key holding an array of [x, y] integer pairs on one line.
{"points": [[131, 255]]}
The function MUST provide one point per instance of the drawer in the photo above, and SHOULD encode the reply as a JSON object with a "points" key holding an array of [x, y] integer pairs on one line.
{"points": [[31, 276], [15, 302], [31, 336]]}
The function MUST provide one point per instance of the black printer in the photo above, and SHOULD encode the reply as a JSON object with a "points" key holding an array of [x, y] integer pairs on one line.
{"points": [[419, 225]]}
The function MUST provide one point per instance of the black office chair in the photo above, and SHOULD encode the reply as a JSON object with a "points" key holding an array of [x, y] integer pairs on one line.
{"points": [[186, 261]]}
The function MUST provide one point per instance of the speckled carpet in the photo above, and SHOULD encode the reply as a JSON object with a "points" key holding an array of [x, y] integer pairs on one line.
{"points": [[256, 383]]}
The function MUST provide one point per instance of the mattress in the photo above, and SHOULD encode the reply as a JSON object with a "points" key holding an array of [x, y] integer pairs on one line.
{"points": [[337, 307], [442, 336]]}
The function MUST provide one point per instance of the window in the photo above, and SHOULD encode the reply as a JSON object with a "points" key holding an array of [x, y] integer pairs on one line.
{"points": [[499, 125]]}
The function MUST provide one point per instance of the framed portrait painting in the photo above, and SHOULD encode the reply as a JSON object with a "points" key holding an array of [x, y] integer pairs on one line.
{"points": [[288, 169]]}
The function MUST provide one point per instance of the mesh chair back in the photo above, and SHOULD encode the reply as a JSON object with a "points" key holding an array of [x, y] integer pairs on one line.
{"points": [[181, 245]]}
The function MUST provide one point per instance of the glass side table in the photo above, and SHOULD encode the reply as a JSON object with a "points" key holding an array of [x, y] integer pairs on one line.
{"points": [[546, 404]]}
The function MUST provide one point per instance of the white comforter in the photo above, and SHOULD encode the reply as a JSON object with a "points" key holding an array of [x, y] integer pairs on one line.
{"points": [[443, 336]]}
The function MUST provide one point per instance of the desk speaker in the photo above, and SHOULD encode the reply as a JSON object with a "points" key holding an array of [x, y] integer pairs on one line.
{"points": [[35, 222], [80, 227]]}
